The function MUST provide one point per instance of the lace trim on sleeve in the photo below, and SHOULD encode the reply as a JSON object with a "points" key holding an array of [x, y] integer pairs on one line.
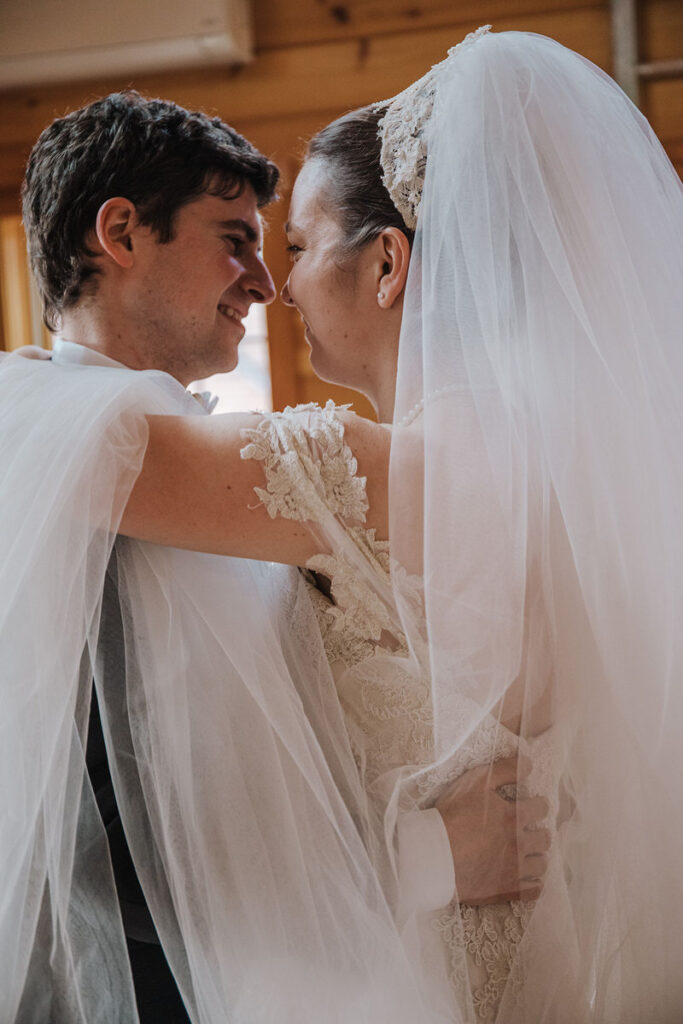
{"points": [[310, 470]]}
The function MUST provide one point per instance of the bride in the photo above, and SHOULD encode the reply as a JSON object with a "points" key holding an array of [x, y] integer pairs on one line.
{"points": [[492, 256], [495, 567]]}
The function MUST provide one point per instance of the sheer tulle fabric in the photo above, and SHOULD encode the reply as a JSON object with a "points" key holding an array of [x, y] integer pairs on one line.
{"points": [[60, 503], [244, 816], [539, 393]]}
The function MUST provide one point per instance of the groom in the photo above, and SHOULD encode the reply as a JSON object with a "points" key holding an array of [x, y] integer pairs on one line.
{"points": [[182, 192]]}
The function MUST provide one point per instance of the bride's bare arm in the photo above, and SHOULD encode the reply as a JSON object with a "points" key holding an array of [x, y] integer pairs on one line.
{"points": [[196, 491]]}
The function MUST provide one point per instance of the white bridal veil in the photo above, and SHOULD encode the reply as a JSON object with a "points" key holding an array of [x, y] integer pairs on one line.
{"points": [[243, 815], [540, 385], [536, 499]]}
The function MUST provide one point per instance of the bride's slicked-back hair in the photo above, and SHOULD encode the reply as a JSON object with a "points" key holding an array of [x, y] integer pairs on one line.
{"points": [[350, 150]]}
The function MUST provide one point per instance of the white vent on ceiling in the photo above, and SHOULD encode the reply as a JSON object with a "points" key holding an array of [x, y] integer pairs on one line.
{"points": [[44, 41]]}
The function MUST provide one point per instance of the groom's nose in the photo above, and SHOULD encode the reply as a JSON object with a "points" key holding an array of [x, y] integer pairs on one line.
{"points": [[260, 285]]}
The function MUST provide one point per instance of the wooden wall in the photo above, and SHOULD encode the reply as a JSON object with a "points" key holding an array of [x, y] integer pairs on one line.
{"points": [[317, 58]]}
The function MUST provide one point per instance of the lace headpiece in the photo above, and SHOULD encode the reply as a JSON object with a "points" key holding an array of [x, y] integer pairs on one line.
{"points": [[404, 138]]}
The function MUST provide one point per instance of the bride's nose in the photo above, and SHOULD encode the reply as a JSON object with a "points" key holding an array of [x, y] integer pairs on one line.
{"points": [[284, 294]]}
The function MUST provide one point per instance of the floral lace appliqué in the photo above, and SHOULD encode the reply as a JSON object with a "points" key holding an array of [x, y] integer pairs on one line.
{"points": [[490, 936], [404, 132], [310, 470]]}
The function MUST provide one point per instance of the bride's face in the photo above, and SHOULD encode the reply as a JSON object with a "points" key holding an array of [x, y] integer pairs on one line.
{"points": [[335, 294]]}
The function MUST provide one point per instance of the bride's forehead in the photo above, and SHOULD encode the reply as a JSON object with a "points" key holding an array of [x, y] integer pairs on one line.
{"points": [[310, 187]]}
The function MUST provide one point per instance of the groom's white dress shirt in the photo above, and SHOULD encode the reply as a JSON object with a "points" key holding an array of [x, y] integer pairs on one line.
{"points": [[424, 859]]}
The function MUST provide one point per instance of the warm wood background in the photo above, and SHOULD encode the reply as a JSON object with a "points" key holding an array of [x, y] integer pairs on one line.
{"points": [[316, 59]]}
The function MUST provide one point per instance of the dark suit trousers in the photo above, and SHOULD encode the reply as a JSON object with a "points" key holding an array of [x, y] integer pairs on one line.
{"points": [[156, 992]]}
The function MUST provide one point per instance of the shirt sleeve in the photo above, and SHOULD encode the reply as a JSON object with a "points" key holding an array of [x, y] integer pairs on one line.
{"points": [[425, 863]]}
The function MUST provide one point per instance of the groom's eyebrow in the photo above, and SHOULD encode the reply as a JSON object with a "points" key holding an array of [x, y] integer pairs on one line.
{"points": [[239, 225]]}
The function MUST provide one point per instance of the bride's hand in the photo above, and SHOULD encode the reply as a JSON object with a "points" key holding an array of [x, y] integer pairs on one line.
{"points": [[499, 850]]}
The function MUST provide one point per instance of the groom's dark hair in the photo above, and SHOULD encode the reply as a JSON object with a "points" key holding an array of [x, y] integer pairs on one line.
{"points": [[151, 151]]}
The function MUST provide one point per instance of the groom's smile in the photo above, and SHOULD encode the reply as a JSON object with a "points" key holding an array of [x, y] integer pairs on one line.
{"points": [[231, 312], [191, 294]]}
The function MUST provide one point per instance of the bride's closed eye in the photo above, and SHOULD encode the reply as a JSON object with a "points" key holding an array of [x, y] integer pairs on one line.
{"points": [[294, 251]]}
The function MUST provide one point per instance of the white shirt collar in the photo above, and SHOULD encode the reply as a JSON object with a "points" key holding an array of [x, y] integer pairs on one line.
{"points": [[72, 352]]}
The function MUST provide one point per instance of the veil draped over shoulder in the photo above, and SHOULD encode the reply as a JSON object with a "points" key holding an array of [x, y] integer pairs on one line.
{"points": [[237, 791], [540, 378]]}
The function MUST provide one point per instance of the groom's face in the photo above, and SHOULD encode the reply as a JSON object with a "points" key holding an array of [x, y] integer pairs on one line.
{"points": [[189, 296]]}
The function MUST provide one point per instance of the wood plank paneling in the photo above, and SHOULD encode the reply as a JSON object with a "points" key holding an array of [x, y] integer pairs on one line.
{"points": [[10, 202], [661, 30], [303, 79], [278, 24], [13, 159], [284, 329], [15, 300], [663, 102], [660, 24]]}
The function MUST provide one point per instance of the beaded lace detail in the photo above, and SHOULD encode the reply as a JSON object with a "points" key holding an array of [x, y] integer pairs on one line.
{"points": [[310, 471], [404, 134]]}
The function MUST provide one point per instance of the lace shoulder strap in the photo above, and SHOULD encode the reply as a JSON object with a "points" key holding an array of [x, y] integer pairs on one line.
{"points": [[310, 470]]}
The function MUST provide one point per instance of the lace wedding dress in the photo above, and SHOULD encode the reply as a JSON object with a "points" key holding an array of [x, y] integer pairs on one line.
{"points": [[310, 472]]}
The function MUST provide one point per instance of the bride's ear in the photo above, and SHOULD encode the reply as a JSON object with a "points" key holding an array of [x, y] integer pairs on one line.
{"points": [[394, 256], [114, 229]]}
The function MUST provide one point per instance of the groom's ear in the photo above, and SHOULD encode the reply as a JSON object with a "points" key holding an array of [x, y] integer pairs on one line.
{"points": [[394, 257], [114, 226]]}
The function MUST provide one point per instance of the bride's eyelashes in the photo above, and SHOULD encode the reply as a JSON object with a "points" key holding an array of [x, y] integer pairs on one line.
{"points": [[293, 251]]}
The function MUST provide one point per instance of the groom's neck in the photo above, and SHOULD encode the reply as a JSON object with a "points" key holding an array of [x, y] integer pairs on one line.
{"points": [[94, 327]]}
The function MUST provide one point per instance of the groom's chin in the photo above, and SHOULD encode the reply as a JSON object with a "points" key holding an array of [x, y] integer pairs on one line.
{"points": [[223, 359], [225, 366], [222, 364]]}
